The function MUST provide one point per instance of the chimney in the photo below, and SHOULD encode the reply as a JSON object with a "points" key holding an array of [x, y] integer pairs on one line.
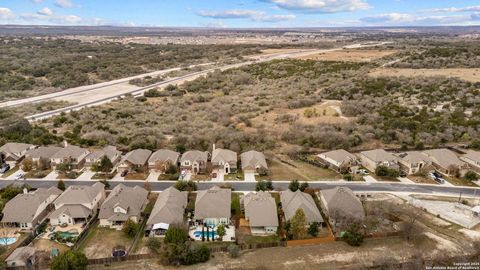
{"points": [[213, 148], [25, 191], [65, 143]]}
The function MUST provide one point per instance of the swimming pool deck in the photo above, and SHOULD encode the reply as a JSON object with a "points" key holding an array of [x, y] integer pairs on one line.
{"points": [[230, 233]]}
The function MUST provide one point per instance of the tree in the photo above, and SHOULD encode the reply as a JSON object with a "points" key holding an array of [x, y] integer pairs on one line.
{"points": [[303, 186], [61, 185], [130, 228], [105, 165], [385, 171], [264, 185], [175, 235], [154, 244], [298, 225], [294, 185], [27, 165], [9, 192], [313, 229], [471, 176], [353, 235], [186, 185], [72, 260], [221, 231], [63, 167]]}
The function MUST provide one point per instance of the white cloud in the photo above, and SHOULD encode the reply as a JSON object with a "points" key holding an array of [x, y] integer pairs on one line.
{"points": [[253, 15], [406, 19], [64, 3], [6, 14], [320, 6], [45, 11], [455, 9]]}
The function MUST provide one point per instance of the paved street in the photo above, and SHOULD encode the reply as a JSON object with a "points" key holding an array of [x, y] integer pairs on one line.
{"points": [[250, 186]]}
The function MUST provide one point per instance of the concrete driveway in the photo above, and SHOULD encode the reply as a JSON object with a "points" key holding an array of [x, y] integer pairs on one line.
{"points": [[249, 177], [52, 175], [405, 180], [118, 177], [15, 174], [369, 179], [86, 175], [153, 176], [220, 176]]}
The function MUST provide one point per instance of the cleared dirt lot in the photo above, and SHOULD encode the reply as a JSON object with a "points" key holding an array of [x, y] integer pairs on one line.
{"points": [[283, 168], [468, 74], [100, 242], [350, 55]]}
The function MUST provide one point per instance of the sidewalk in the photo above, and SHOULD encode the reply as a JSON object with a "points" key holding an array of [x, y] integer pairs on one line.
{"points": [[405, 180], [369, 179]]}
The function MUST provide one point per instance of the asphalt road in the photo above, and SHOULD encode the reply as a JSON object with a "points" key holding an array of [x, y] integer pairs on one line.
{"points": [[249, 186]]}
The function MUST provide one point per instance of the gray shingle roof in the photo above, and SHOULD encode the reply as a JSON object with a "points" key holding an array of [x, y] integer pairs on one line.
{"points": [[169, 207], [414, 157], [253, 159], [71, 151], [473, 155], [340, 155], [23, 207], [260, 209], [45, 152], [213, 203], [224, 155], [130, 199], [163, 155], [137, 156], [292, 201], [444, 157], [72, 210], [342, 200], [20, 255], [108, 151], [195, 155], [15, 147], [379, 155], [77, 194]]}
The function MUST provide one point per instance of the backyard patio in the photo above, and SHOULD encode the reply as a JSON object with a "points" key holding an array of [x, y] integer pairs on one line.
{"points": [[195, 233]]}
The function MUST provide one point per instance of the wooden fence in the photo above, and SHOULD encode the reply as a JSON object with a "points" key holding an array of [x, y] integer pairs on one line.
{"points": [[109, 260]]}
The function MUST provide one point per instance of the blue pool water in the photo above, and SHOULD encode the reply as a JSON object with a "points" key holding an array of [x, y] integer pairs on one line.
{"points": [[6, 241], [199, 234]]}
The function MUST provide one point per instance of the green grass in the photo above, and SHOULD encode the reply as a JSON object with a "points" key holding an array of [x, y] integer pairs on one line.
{"points": [[37, 174], [253, 239], [460, 182]]}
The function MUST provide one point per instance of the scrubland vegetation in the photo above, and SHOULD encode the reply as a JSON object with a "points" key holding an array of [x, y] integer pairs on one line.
{"points": [[30, 66]]}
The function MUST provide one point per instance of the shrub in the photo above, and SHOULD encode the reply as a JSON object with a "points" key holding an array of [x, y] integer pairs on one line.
{"points": [[471, 176], [313, 229], [175, 235], [294, 185], [61, 185], [385, 171], [264, 185], [233, 251], [154, 244], [70, 260], [130, 228], [353, 235], [186, 185]]}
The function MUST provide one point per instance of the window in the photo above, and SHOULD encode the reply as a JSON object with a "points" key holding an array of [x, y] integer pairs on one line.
{"points": [[186, 163]]}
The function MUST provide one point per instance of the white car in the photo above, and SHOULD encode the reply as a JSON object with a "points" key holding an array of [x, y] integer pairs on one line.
{"points": [[20, 176], [363, 171]]}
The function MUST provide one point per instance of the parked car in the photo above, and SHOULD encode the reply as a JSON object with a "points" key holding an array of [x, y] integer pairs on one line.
{"points": [[124, 173], [363, 171], [20, 176], [4, 168], [437, 177], [403, 174]]}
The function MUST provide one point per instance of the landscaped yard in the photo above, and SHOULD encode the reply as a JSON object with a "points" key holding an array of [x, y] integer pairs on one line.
{"points": [[136, 176], [287, 169], [422, 179], [460, 181], [100, 241], [37, 174]]}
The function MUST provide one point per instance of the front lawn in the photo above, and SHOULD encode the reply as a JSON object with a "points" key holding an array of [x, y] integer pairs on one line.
{"points": [[37, 174], [136, 176], [460, 181], [100, 241], [103, 176], [68, 175], [167, 177]]}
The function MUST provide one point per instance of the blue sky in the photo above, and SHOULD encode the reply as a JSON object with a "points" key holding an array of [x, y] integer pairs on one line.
{"points": [[241, 13]]}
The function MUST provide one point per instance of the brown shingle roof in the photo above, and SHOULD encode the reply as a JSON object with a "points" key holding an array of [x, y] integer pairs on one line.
{"points": [[213, 203], [342, 200], [260, 209]]}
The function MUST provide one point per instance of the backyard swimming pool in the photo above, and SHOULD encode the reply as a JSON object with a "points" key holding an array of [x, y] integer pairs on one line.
{"points": [[198, 234], [6, 241]]}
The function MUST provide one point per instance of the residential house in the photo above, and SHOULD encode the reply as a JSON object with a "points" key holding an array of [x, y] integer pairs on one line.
{"points": [[21, 257], [135, 161], [373, 158], [341, 206], [42, 156], [292, 201], [194, 161], [71, 154], [261, 213], [169, 209], [473, 159], [13, 153], [122, 204], [162, 159], [27, 210], [445, 161], [224, 160], [78, 204], [108, 151], [413, 162], [253, 162], [339, 160], [212, 206]]}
